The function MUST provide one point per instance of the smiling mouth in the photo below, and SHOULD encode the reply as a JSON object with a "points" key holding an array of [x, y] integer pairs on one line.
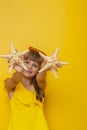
{"points": [[28, 71]]}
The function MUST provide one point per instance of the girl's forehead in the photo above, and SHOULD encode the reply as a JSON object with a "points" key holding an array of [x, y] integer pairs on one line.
{"points": [[31, 60]]}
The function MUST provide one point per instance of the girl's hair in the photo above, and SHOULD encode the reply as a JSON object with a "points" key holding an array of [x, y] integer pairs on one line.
{"points": [[35, 56], [39, 93]]}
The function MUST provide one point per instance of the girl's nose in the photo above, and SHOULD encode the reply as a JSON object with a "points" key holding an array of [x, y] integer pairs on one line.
{"points": [[29, 66]]}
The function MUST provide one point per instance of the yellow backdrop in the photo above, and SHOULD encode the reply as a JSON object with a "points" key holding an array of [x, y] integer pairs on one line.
{"points": [[47, 25]]}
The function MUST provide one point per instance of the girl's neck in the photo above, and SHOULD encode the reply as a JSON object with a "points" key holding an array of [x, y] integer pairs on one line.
{"points": [[27, 83]]}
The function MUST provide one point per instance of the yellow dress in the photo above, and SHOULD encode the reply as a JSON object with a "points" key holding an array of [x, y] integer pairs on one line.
{"points": [[26, 112]]}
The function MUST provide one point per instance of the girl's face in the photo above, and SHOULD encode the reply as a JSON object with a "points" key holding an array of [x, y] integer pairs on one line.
{"points": [[33, 68]]}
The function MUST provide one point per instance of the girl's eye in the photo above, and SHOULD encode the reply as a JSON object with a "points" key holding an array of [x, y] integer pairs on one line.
{"points": [[35, 65], [27, 62]]}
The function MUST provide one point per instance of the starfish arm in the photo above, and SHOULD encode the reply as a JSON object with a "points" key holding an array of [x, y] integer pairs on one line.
{"points": [[23, 65], [56, 53], [64, 63], [54, 73], [12, 48], [22, 53], [43, 56], [44, 68], [5, 56], [11, 67]]}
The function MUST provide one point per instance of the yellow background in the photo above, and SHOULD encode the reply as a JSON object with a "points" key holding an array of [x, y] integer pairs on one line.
{"points": [[47, 25]]}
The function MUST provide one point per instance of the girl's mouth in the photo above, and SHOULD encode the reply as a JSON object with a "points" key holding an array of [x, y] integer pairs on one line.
{"points": [[29, 71]]}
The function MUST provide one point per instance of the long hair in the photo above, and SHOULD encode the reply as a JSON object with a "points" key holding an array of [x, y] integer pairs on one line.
{"points": [[34, 55], [39, 93]]}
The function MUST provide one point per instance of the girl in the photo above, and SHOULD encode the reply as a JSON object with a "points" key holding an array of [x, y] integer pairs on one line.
{"points": [[26, 93]]}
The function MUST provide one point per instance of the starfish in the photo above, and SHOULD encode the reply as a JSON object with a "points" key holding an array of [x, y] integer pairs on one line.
{"points": [[52, 62], [15, 58]]}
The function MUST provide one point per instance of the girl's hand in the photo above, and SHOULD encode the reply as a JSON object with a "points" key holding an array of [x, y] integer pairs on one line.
{"points": [[18, 68]]}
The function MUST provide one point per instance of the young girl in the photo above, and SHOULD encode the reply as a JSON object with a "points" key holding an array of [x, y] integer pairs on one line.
{"points": [[26, 93]]}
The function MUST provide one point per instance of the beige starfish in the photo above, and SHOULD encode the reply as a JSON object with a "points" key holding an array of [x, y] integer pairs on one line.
{"points": [[52, 63], [15, 58]]}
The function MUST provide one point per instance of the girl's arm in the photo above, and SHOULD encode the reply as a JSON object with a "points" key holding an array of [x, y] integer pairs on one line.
{"points": [[41, 80], [41, 77], [10, 83]]}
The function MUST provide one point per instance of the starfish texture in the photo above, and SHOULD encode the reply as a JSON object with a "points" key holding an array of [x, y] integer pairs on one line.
{"points": [[15, 58], [52, 63]]}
